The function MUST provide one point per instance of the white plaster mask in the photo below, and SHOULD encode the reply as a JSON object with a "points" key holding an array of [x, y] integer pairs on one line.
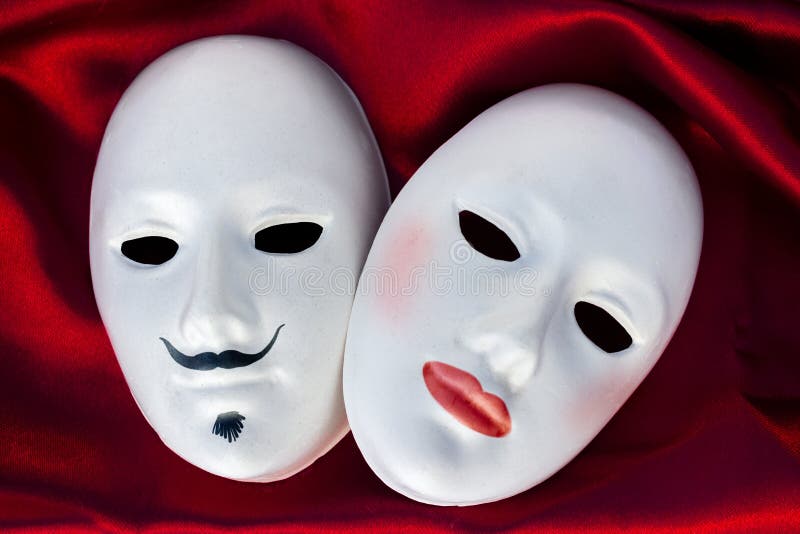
{"points": [[236, 174], [521, 286]]}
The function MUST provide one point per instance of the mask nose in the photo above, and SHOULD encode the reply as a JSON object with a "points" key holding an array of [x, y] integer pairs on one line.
{"points": [[508, 346], [219, 311], [510, 362]]}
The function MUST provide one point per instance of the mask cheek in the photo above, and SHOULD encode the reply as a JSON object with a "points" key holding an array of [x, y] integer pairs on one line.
{"points": [[404, 274], [576, 381], [606, 386]]}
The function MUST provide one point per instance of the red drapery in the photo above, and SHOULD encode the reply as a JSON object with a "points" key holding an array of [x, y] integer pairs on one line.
{"points": [[710, 440]]}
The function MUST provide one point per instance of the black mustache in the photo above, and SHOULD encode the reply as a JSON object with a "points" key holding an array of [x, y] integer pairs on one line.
{"points": [[227, 359]]}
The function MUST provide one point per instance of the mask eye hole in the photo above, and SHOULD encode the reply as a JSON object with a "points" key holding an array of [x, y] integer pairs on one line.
{"points": [[486, 238], [149, 250], [601, 328], [288, 238]]}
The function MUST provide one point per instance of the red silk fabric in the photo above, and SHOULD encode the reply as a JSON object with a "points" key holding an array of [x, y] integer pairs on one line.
{"points": [[711, 440]]}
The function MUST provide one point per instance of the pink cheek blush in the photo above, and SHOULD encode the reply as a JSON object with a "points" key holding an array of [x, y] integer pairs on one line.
{"points": [[407, 265]]}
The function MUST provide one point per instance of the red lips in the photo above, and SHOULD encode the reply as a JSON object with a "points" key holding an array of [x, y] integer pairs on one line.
{"points": [[462, 395]]}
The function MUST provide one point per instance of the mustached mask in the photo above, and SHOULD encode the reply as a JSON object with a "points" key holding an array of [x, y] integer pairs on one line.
{"points": [[236, 174], [522, 285]]}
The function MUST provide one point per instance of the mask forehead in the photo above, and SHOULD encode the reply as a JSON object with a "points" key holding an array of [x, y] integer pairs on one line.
{"points": [[238, 118]]}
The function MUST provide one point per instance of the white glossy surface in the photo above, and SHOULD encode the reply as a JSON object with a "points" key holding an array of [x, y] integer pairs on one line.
{"points": [[212, 142], [603, 206]]}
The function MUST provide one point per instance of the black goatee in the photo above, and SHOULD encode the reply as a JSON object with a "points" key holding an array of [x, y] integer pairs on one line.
{"points": [[228, 426]]}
